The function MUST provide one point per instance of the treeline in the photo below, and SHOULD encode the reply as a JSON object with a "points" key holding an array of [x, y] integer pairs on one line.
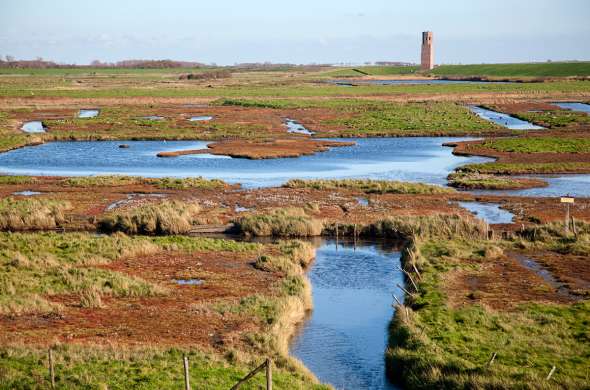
{"points": [[40, 63]]}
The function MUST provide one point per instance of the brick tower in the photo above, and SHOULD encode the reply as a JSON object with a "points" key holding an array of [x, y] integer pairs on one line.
{"points": [[427, 58]]}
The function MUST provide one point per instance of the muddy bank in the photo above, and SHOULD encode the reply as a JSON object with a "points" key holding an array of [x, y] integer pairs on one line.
{"points": [[258, 150]]}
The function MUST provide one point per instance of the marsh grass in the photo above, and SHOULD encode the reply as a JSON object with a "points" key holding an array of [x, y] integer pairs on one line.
{"points": [[437, 345], [538, 145], [120, 367], [31, 214], [167, 217], [293, 222], [163, 183], [370, 186], [526, 168], [490, 182], [15, 180]]}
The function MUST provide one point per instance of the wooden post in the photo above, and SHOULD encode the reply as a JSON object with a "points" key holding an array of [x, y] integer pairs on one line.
{"points": [[397, 300], [567, 218], [404, 290], [574, 226], [187, 384], [492, 359], [551, 373], [354, 236], [336, 236], [416, 270], [268, 374], [51, 369], [409, 277]]}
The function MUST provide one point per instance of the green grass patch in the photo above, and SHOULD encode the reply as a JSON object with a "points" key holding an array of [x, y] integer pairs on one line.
{"points": [[123, 368], [546, 69], [556, 119], [491, 182], [170, 183], [370, 186], [436, 345], [526, 168], [539, 145]]}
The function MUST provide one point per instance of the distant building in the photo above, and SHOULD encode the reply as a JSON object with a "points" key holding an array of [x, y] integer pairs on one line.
{"points": [[427, 58]]}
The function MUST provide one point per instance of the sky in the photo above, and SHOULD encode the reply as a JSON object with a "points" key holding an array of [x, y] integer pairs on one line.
{"points": [[302, 31]]}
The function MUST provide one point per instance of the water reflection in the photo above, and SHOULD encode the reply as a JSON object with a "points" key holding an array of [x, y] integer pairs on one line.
{"points": [[344, 340]]}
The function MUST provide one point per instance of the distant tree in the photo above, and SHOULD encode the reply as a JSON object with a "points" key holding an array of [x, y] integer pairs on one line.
{"points": [[9, 58]]}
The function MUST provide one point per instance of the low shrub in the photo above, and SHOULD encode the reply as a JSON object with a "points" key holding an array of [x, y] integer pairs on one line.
{"points": [[31, 214]]}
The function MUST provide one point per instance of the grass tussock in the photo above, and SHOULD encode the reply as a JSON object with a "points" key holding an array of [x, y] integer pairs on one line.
{"points": [[525, 168], [167, 217], [370, 186], [295, 256], [31, 214], [292, 222]]}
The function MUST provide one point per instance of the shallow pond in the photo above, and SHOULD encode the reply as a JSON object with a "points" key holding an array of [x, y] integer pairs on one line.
{"points": [[27, 193], [574, 185], [489, 212], [344, 339], [574, 106], [33, 127], [200, 118], [152, 118], [88, 113], [504, 120], [295, 127], [408, 159]]}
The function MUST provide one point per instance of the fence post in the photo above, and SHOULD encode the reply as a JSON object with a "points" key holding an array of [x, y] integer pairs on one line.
{"points": [[551, 373], [187, 384], [51, 369], [336, 236], [268, 374]]}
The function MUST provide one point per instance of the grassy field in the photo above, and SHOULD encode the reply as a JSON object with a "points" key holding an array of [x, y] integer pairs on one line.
{"points": [[546, 69], [35, 267], [525, 168], [539, 145], [439, 344]]}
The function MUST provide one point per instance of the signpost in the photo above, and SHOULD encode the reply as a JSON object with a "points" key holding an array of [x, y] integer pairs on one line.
{"points": [[567, 200]]}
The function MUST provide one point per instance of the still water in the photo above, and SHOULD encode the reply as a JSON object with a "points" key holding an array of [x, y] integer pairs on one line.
{"points": [[344, 339], [504, 120], [488, 212], [418, 159]]}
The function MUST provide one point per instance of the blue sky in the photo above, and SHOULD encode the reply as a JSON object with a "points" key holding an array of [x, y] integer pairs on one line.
{"points": [[302, 31]]}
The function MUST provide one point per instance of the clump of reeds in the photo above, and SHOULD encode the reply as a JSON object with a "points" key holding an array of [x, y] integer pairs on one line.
{"points": [[295, 256], [168, 217], [31, 214], [370, 186], [172, 183], [292, 222]]}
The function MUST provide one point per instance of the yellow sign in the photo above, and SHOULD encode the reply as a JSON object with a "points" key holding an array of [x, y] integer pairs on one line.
{"points": [[567, 200]]}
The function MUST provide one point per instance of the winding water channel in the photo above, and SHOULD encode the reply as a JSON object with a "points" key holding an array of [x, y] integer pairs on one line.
{"points": [[344, 339]]}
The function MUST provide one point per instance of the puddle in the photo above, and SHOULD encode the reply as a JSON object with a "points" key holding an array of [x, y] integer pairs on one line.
{"points": [[362, 201], [189, 282], [574, 106], [344, 339], [240, 209], [131, 198], [88, 113], [27, 193], [544, 273], [504, 120], [200, 118], [295, 127], [33, 127], [152, 118], [489, 212]]}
